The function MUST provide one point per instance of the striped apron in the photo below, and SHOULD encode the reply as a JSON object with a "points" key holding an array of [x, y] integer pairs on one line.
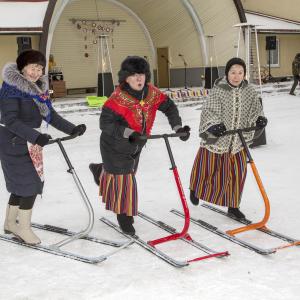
{"points": [[219, 178]]}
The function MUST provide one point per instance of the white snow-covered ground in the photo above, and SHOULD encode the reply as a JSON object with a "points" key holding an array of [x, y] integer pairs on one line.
{"points": [[134, 273]]}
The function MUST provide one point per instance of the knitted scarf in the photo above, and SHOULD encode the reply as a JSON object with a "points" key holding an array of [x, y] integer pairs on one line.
{"points": [[42, 101], [16, 85]]}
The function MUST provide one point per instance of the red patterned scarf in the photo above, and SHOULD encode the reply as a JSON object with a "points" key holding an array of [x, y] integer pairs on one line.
{"points": [[132, 110]]}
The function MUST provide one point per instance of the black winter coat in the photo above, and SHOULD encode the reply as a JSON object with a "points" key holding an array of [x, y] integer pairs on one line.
{"points": [[119, 156], [20, 117]]}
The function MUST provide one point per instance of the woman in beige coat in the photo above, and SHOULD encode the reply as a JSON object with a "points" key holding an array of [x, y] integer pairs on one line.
{"points": [[220, 168]]}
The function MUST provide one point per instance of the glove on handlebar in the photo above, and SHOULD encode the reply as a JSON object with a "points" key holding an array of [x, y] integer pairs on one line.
{"points": [[43, 139], [79, 129], [261, 122], [217, 130], [134, 139], [185, 129]]}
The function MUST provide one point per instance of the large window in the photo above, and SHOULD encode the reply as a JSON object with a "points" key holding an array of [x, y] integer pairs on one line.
{"points": [[274, 55]]}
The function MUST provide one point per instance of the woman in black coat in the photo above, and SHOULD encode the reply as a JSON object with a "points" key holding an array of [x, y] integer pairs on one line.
{"points": [[129, 113], [24, 104]]}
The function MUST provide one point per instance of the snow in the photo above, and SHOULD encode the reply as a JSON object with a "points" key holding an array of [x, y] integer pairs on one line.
{"points": [[270, 23], [134, 273], [29, 14]]}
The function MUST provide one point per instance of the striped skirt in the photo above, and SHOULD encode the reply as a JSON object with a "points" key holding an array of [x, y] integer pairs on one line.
{"points": [[219, 178], [119, 193]]}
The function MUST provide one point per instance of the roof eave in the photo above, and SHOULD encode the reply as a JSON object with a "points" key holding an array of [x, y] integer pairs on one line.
{"points": [[278, 31], [21, 30]]}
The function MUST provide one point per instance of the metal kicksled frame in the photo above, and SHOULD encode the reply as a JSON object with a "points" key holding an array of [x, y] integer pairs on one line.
{"points": [[261, 225], [183, 234], [73, 236]]}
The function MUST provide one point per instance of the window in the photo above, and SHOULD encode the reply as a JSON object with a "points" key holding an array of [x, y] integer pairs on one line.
{"points": [[274, 55]]}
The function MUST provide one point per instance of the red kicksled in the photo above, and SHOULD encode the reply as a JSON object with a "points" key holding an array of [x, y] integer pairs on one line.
{"points": [[183, 235]]}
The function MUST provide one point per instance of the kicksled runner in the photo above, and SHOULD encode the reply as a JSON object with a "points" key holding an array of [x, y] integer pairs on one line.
{"points": [[260, 226], [174, 235], [56, 249], [72, 236]]}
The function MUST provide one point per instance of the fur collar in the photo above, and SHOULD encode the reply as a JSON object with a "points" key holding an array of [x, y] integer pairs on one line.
{"points": [[12, 76], [224, 84]]}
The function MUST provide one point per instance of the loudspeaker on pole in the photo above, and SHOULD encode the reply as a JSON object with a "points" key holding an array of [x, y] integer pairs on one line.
{"points": [[271, 42], [24, 43], [105, 84], [211, 74]]}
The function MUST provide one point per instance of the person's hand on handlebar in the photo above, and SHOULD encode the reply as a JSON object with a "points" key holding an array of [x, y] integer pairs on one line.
{"points": [[261, 122], [135, 139], [217, 130], [43, 139], [185, 129], [79, 130]]}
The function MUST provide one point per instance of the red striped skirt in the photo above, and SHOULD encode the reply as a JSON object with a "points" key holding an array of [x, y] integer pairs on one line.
{"points": [[119, 193], [219, 178]]}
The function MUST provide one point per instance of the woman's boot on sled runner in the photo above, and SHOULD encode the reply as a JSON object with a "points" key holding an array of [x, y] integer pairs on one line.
{"points": [[125, 223], [24, 230], [235, 212], [10, 223]]}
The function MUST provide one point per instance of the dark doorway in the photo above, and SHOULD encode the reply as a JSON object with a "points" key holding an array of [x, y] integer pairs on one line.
{"points": [[163, 71]]}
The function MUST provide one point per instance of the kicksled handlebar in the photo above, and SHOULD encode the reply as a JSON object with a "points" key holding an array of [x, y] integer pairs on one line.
{"points": [[240, 130], [170, 135], [65, 138], [163, 136], [64, 153], [158, 136]]}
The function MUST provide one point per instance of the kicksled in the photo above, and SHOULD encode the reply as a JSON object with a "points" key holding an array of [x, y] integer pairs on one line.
{"points": [[56, 249], [174, 235], [249, 226], [152, 245]]}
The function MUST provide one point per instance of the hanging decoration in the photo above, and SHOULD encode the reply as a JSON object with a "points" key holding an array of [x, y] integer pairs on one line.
{"points": [[91, 30]]}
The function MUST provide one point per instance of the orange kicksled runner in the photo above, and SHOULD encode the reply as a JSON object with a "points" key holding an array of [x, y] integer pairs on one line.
{"points": [[261, 226]]}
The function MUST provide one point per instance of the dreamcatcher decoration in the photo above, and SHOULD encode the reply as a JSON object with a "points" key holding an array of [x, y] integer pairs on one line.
{"points": [[91, 30]]}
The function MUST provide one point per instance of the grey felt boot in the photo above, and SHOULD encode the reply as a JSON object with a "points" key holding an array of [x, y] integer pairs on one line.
{"points": [[10, 225], [24, 230]]}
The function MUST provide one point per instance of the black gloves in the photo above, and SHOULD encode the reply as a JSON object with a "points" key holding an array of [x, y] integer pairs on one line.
{"points": [[135, 140], [261, 122], [185, 129], [217, 130], [43, 139], [79, 130]]}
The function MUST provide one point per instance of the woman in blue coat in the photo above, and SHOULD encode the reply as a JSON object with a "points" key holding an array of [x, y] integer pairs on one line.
{"points": [[24, 104]]}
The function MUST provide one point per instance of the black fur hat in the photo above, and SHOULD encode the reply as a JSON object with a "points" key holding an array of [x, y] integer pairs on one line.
{"points": [[235, 61], [132, 65], [30, 57]]}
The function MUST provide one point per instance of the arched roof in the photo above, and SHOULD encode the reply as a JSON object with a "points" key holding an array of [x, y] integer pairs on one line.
{"points": [[38, 18]]}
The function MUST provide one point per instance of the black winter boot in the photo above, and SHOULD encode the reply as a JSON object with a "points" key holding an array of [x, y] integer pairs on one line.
{"points": [[96, 171], [125, 223], [193, 198], [235, 212]]}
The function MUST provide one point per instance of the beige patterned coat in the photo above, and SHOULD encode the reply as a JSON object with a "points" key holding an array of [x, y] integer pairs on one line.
{"points": [[236, 107]]}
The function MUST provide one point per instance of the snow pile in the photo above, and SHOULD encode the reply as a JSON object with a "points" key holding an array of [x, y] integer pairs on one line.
{"points": [[135, 273]]}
